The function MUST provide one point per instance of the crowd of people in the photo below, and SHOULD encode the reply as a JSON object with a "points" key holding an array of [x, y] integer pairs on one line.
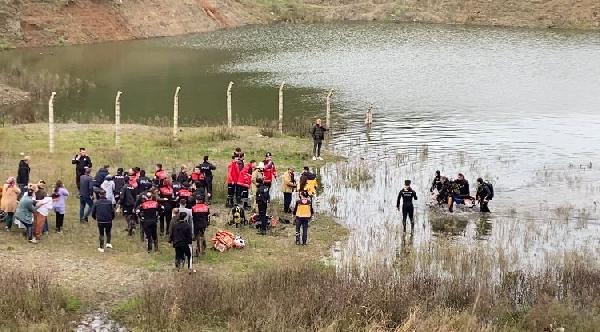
{"points": [[161, 205]]}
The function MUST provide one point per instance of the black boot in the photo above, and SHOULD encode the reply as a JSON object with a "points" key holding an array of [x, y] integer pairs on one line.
{"points": [[156, 246]]}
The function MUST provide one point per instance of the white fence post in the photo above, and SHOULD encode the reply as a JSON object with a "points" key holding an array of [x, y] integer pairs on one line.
{"points": [[118, 119], [281, 107], [51, 122], [176, 112], [328, 115], [229, 115]]}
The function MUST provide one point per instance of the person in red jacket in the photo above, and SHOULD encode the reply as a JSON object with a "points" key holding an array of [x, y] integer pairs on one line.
{"points": [[233, 172], [270, 172], [244, 182], [201, 220]]}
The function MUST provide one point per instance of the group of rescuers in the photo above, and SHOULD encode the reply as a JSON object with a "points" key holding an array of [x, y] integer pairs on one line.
{"points": [[154, 202], [446, 192]]}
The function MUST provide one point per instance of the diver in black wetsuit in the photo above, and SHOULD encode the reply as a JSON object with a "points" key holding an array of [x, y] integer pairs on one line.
{"points": [[406, 195], [437, 182]]}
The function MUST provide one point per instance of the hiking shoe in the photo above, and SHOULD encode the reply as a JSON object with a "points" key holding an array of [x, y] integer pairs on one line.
{"points": [[100, 249], [314, 158], [34, 241], [108, 245]]}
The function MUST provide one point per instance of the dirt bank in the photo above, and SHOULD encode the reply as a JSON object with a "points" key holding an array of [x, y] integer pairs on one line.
{"points": [[26, 23], [11, 96]]}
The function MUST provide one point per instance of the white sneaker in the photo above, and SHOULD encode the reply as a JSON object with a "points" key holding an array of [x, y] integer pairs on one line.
{"points": [[320, 158], [33, 241], [100, 250], [108, 245], [314, 158]]}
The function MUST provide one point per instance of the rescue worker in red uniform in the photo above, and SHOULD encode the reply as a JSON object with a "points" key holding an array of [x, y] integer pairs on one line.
{"points": [[270, 171], [244, 182], [233, 172], [148, 213], [186, 193], [201, 220], [159, 175]]}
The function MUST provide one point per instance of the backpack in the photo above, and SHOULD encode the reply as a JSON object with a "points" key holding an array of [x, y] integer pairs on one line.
{"points": [[491, 188]]}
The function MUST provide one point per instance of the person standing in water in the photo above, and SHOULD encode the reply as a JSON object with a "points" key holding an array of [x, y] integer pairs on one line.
{"points": [[406, 195]]}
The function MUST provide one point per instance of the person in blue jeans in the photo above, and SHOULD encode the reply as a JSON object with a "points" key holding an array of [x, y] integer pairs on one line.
{"points": [[86, 192]]}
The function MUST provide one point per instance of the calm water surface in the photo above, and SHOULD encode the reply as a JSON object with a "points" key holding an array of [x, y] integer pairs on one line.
{"points": [[518, 107]]}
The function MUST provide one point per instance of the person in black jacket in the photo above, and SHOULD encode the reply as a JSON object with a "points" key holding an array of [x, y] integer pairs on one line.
{"points": [[437, 182], [484, 194], [144, 183], [206, 167], [406, 196], [120, 180], [81, 162], [127, 200], [181, 238], [262, 200], [23, 175], [104, 213], [318, 135], [148, 213], [101, 174]]}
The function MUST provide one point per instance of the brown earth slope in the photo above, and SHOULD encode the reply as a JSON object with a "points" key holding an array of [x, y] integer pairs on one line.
{"points": [[51, 22]]}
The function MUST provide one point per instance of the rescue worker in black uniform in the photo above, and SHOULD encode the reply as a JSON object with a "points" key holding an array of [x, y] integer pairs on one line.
{"points": [[120, 180], [207, 168], [149, 211], [144, 183], [437, 182], [127, 200], [201, 220], [483, 196], [262, 200], [406, 195]]}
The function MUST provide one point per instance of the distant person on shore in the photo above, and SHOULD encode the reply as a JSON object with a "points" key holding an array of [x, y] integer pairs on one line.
{"points": [[207, 168], [182, 238], [43, 204], [287, 188], [81, 162], [406, 196], [318, 135], [148, 212], [8, 202], [303, 212], [104, 214], [262, 200], [86, 193], [59, 197], [24, 213], [270, 171], [23, 174]]}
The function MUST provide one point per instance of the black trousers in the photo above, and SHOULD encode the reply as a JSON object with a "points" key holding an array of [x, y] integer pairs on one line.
{"points": [[150, 231], [181, 254], [317, 148], [60, 220], [483, 206], [287, 201], [166, 218], [407, 211], [209, 188], [302, 223], [262, 216], [230, 194], [131, 221], [104, 228], [77, 177]]}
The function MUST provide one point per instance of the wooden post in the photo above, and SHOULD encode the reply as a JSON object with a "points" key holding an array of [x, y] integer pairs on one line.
{"points": [[281, 107], [229, 121], [51, 122], [176, 112], [328, 115], [118, 119]]}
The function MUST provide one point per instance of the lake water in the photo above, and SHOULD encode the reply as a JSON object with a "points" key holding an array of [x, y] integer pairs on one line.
{"points": [[518, 107]]}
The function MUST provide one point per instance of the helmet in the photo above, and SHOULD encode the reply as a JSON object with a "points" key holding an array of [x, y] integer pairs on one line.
{"points": [[261, 165]]}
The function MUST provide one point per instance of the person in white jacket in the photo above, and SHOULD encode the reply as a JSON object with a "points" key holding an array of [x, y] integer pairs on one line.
{"points": [[109, 187]]}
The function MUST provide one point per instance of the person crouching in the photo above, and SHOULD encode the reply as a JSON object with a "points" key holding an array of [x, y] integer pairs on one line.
{"points": [[181, 237]]}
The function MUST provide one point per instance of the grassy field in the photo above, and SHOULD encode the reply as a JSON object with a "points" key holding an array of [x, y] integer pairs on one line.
{"points": [[109, 280]]}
